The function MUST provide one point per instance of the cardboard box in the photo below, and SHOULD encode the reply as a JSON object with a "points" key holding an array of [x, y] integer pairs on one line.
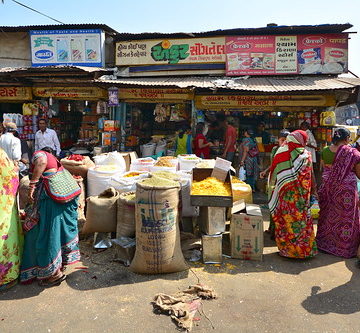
{"points": [[111, 125], [212, 220], [246, 231], [129, 157]]}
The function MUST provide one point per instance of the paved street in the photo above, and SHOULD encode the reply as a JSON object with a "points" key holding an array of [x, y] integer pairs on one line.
{"points": [[276, 295]]}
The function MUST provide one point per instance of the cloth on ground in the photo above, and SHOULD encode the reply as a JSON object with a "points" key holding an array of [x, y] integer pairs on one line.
{"points": [[182, 306]]}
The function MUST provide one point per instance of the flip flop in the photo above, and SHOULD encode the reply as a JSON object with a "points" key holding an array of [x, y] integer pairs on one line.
{"points": [[47, 284]]}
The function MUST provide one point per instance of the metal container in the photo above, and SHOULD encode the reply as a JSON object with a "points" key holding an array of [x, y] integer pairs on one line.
{"points": [[212, 220], [212, 249]]}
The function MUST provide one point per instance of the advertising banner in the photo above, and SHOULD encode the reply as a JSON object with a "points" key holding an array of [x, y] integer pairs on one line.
{"points": [[84, 93], [170, 51], [155, 94], [242, 101], [301, 54], [67, 47], [15, 93]]}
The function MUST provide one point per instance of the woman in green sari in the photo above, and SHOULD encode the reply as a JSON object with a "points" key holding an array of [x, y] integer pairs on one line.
{"points": [[11, 238]]}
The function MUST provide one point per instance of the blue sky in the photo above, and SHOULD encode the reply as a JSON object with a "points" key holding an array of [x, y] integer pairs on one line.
{"points": [[190, 15]]}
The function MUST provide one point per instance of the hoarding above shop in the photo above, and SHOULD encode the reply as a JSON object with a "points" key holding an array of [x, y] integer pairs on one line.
{"points": [[244, 101], [15, 93], [155, 94], [82, 47], [170, 51], [83, 93], [273, 55]]}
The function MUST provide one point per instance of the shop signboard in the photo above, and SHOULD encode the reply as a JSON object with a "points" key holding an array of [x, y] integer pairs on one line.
{"points": [[298, 54], [261, 101], [155, 94], [15, 93], [113, 96], [170, 51], [83, 93], [81, 47]]}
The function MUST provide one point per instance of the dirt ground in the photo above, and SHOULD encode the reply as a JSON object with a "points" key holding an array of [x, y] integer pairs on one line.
{"points": [[275, 295]]}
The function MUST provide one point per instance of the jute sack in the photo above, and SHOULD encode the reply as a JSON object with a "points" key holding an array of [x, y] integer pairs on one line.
{"points": [[101, 212], [78, 168], [125, 226], [158, 247]]}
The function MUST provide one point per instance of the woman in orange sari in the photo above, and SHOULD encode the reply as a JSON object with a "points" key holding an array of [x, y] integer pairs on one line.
{"points": [[291, 181]]}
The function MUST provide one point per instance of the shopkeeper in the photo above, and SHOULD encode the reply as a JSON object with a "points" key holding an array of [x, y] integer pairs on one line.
{"points": [[265, 136], [46, 137]]}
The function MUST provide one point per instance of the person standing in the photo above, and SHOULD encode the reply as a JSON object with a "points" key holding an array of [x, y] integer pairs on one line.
{"points": [[311, 144], [11, 144], [339, 220], [292, 183], [230, 138], [265, 136], [183, 143], [201, 146], [46, 137], [249, 158], [51, 239], [11, 239]]}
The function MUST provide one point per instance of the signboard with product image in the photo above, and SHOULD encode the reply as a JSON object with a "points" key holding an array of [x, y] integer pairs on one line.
{"points": [[298, 54], [81, 47]]}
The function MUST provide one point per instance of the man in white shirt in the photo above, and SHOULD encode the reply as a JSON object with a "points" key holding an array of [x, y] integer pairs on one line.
{"points": [[46, 137], [10, 144], [311, 144]]}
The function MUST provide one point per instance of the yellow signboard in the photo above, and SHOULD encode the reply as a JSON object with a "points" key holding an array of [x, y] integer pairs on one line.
{"points": [[155, 94], [171, 51], [88, 93], [15, 93], [243, 101]]}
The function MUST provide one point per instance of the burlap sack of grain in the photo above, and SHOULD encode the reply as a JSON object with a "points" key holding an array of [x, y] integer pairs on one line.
{"points": [[23, 192], [81, 204], [101, 212], [158, 247], [78, 168], [125, 226]]}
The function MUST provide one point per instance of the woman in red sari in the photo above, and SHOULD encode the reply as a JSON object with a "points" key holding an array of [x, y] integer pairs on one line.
{"points": [[291, 184], [201, 146], [339, 220]]}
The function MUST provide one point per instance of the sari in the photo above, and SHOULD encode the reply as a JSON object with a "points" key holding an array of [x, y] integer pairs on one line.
{"points": [[339, 222], [289, 198], [251, 163], [11, 239], [51, 240]]}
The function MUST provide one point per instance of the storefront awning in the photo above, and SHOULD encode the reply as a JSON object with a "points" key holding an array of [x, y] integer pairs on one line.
{"points": [[258, 84]]}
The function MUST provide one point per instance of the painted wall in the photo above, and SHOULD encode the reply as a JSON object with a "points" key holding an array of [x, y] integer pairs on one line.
{"points": [[14, 49]]}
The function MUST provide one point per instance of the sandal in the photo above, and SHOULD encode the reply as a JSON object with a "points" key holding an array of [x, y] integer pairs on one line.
{"points": [[48, 284]]}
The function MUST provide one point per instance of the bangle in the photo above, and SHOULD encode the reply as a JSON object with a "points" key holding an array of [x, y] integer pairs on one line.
{"points": [[34, 181]]}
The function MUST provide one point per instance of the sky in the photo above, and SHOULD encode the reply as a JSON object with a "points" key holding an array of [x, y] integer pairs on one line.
{"points": [[190, 15]]}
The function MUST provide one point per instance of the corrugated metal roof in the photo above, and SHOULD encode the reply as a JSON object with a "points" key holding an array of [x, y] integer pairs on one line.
{"points": [[57, 27], [269, 30], [256, 84], [52, 68]]}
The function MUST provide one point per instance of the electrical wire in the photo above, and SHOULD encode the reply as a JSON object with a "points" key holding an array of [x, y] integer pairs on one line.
{"points": [[36, 11]]}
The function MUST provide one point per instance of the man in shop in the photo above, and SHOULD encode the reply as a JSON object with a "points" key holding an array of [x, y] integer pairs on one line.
{"points": [[46, 137], [263, 134], [10, 144], [230, 138], [311, 144]]}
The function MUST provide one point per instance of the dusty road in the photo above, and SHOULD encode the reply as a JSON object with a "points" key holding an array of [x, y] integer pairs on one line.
{"points": [[276, 295]]}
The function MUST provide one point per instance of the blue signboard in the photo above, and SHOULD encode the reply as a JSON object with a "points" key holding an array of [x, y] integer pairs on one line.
{"points": [[80, 47]]}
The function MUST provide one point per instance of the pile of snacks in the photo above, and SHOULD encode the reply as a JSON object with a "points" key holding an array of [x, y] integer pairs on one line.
{"points": [[159, 182], [132, 174], [164, 163], [166, 175], [211, 186]]}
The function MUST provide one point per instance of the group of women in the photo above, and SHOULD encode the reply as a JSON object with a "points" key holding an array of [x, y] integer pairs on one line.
{"points": [[38, 247], [292, 185]]}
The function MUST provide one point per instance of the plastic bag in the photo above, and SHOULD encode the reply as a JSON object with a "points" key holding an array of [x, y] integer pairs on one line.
{"points": [[242, 173]]}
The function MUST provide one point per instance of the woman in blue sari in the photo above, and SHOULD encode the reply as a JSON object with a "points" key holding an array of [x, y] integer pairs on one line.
{"points": [[51, 239], [249, 158]]}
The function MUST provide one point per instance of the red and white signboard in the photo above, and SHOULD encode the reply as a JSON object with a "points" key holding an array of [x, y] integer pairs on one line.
{"points": [[301, 54]]}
